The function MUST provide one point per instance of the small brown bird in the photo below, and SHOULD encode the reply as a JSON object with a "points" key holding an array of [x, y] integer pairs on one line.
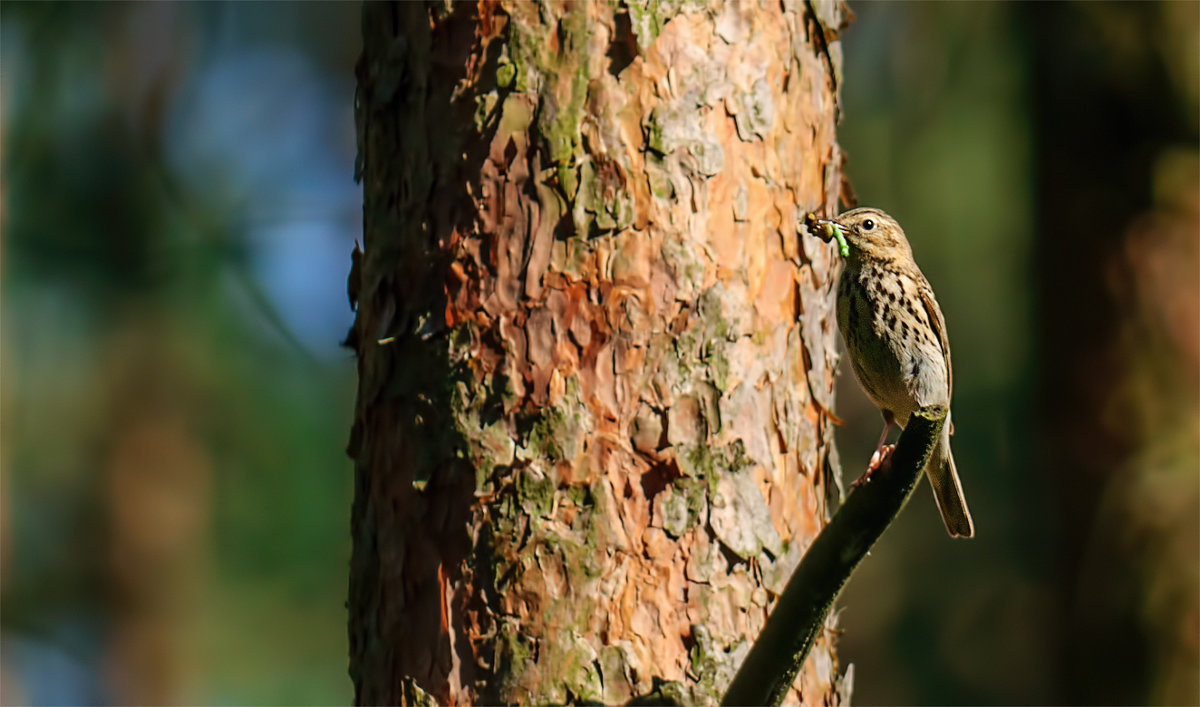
{"points": [[896, 337]]}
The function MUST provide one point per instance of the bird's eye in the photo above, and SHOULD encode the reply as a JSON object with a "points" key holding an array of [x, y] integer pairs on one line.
{"points": [[868, 225]]}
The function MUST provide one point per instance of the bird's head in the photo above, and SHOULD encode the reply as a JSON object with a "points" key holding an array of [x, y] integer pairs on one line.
{"points": [[868, 233]]}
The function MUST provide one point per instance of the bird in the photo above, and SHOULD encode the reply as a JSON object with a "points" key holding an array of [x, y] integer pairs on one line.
{"points": [[896, 339]]}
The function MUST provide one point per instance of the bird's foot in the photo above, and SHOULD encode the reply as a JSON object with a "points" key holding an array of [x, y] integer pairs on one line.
{"points": [[881, 456]]}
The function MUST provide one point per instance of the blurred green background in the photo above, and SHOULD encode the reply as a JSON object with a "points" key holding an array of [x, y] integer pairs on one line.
{"points": [[177, 215]]}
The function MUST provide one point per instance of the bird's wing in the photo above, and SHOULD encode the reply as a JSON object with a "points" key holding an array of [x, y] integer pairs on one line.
{"points": [[934, 312]]}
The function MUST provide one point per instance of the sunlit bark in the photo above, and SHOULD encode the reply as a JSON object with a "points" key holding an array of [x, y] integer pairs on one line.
{"points": [[594, 354]]}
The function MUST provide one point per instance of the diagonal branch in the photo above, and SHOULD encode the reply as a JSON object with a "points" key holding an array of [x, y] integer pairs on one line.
{"points": [[779, 653]]}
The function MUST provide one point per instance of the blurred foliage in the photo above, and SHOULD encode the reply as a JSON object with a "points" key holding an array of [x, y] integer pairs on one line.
{"points": [[177, 217]]}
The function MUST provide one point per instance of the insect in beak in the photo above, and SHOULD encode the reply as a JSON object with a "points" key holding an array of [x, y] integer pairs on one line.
{"points": [[828, 230]]}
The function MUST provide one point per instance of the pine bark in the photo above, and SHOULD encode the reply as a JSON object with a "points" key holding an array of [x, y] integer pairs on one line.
{"points": [[595, 355]]}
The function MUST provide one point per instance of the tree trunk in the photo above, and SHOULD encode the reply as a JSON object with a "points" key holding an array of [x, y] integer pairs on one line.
{"points": [[594, 355]]}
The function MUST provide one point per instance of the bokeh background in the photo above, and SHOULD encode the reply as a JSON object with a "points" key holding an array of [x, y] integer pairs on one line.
{"points": [[178, 213]]}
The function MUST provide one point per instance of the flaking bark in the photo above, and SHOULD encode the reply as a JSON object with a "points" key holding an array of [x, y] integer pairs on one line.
{"points": [[594, 354]]}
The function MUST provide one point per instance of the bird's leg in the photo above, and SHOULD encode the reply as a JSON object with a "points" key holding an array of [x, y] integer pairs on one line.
{"points": [[877, 457], [881, 450]]}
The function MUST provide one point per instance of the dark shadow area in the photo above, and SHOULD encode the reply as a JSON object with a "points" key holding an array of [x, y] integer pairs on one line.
{"points": [[413, 491]]}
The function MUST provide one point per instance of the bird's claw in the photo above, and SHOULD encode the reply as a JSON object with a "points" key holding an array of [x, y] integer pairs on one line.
{"points": [[881, 456]]}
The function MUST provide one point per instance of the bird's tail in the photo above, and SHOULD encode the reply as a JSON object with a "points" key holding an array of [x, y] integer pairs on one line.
{"points": [[947, 490]]}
